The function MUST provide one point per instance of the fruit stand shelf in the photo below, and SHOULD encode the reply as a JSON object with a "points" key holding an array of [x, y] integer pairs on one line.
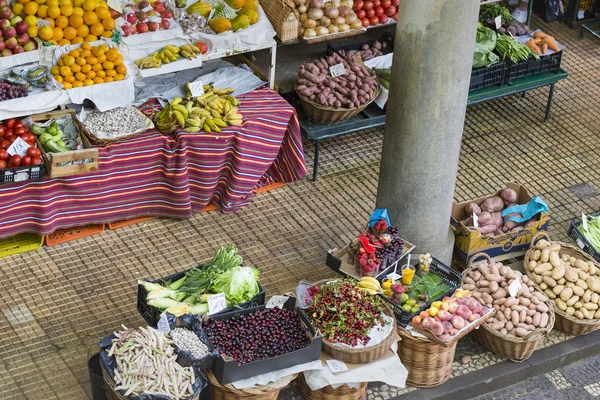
{"points": [[373, 116]]}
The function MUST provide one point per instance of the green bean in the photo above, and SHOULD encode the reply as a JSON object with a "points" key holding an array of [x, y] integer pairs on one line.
{"points": [[512, 49]]}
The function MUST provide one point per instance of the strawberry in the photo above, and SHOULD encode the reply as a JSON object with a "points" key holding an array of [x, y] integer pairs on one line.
{"points": [[371, 256], [363, 263], [367, 269], [364, 256]]}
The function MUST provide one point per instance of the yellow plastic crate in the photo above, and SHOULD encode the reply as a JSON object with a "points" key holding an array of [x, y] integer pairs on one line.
{"points": [[20, 243]]}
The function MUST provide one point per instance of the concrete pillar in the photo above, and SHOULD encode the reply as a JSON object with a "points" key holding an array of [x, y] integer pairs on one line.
{"points": [[433, 56]]}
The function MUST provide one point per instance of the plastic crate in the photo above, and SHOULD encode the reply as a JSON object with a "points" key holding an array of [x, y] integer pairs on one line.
{"points": [[581, 240], [20, 243], [151, 314], [488, 76], [547, 63], [449, 277], [77, 232], [21, 174], [127, 222], [385, 37]]}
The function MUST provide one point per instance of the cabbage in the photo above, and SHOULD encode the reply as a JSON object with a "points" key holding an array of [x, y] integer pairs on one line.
{"points": [[240, 284]]}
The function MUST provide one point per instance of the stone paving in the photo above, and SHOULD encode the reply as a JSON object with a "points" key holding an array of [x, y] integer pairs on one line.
{"points": [[56, 302]]}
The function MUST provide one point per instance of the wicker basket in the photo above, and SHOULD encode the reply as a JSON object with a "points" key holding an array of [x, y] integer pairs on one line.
{"points": [[514, 348], [429, 364], [343, 392], [330, 115], [564, 322], [228, 392], [103, 142], [282, 14]]}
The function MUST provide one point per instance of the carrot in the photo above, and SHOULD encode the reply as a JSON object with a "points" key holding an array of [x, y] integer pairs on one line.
{"points": [[531, 44], [544, 48], [539, 35], [538, 41], [550, 42]]}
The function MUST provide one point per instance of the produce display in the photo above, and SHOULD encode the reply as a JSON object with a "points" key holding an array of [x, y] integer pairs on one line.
{"points": [[89, 65], [592, 234], [257, 336], [51, 138], [18, 29], [515, 316], [65, 22], [166, 55], [573, 284], [512, 49], [188, 341], [145, 364], [375, 12], [214, 110], [446, 318], [488, 14], [215, 16], [319, 18], [485, 43], [10, 130], [144, 17], [356, 87], [343, 314], [415, 293], [489, 215], [541, 42], [115, 123], [188, 295]]}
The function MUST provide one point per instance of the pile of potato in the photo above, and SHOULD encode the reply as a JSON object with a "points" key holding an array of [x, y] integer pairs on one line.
{"points": [[515, 316], [573, 284]]}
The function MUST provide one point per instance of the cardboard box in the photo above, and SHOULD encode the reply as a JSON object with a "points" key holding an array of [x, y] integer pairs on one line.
{"points": [[500, 247]]}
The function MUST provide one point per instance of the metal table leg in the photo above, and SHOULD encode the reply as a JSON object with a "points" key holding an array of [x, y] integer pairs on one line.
{"points": [[272, 65], [316, 162], [523, 94], [549, 103]]}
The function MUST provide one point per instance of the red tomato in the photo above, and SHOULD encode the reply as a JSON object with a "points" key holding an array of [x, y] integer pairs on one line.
{"points": [[379, 11], [33, 152], [395, 17], [8, 132], [365, 22], [2, 128], [11, 138], [396, 3], [26, 161], [376, 3], [386, 3], [19, 131], [359, 5], [5, 144], [391, 10], [368, 5], [374, 20], [383, 19], [370, 13], [10, 123], [15, 160], [36, 161], [3, 155], [18, 124], [361, 14], [28, 137], [3, 164]]}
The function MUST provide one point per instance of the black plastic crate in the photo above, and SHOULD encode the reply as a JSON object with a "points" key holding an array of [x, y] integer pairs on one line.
{"points": [[581, 240], [20, 174], [151, 314], [546, 63], [449, 277], [488, 76], [385, 37]]}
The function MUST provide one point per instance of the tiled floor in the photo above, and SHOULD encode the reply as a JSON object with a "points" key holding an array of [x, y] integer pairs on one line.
{"points": [[56, 302]]}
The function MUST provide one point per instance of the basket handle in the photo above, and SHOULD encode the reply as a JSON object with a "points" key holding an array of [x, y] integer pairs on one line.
{"points": [[478, 255], [535, 335], [539, 236]]}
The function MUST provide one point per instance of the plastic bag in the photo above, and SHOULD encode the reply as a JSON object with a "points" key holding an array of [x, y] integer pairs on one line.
{"points": [[528, 211]]}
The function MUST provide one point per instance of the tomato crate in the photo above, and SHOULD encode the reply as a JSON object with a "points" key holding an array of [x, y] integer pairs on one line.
{"points": [[70, 163], [546, 63], [483, 77], [21, 174], [581, 240]]}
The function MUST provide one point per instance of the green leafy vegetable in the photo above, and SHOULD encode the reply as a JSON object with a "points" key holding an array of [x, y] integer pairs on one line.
{"points": [[488, 12], [239, 284], [485, 43], [515, 51], [593, 232]]}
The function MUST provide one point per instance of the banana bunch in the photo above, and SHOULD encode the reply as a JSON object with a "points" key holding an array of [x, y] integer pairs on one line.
{"points": [[148, 62], [370, 285], [164, 121], [168, 54]]}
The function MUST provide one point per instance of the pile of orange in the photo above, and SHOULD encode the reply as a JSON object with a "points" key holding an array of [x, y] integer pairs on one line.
{"points": [[70, 21], [89, 65]]}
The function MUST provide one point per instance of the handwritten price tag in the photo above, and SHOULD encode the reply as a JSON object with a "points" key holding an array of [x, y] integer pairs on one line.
{"points": [[514, 288], [498, 21], [196, 88], [337, 70], [18, 147], [584, 221], [475, 220], [116, 5], [276, 302], [337, 366], [216, 303], [42, 22], [163, 324]]}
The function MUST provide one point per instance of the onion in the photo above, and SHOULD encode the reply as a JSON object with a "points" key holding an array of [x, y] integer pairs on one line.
{"points": [[302, 9], [356, 24], [331, 12], [334, 28], [309, 23], [344, 28], [310, 33], [351, 18], [335, 3], [315, 13], [303, 17], [339, 21], [299, 2], [325, 22], [316, 4], [321, 30], [344, 10]]}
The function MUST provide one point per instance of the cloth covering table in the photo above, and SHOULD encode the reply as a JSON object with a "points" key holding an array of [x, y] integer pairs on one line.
{"points": [[170, 176]]}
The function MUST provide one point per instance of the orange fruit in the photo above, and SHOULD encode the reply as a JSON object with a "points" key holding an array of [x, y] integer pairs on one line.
{"points": [[75, 21], [109, 24], [40, 1], [62, 22], [67, 85], [68, 60], [78, 3], [83, 31], [60, 62], [108, 65], [69, 78], [33, 31], [30, 8], [108, 79], [119, 77], [110, 73], [80, 61], [51, 20], [70, 33], [80, 76], [85, 53], [86, 68], [74, 53], [45, 32], [101, 74], [78, 11], [65, 3], [121, 69], [102, 12], [54, 12], [88, 82], [96, 67], [31, 20], [66, 10], [91, 75], [118, 61], [112, 54], [101, 58], [77, 40], [106, 34], [64, 42], [86, 46], [58, 34], [78, 84], [98, 80], [65, 71], [104, 47], [90, 5], [52, 42], [91, 38], [75, 68], [58, 78], [90, 18], [18, 8], [51, 3], [97, 29], [55, 70], [42, 11], [23, 1]]}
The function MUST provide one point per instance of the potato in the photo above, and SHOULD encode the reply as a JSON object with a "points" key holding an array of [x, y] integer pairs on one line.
{"points": [[540, 296], [569, 284], [493, 278], [528, 320], [566, 294], [582, 275], [531, 312], [562, 281], [572, 300], [561, 304], [545, 257], [564, 257], [593, 283], [554, 247], [494, 270], [510, 301], [578, 314], [542, 244], [524, 301], [582, 284], [499, 294], [544, 320], [535, 256], [582, 265], [554, 260], [515, 317], [590, 306], [469, 287], [587, 296], [570, 310], [597, 314], [537, 279], [542, 267], [558, 272], [487, 298], [476, 276], [577, 291], [542, 307], [503, 270], [595, 297], [522, 314], [556, 289], [572, 260], [498, 325], [593, 269], [493, 286], [468, 280], [543, 286], [549, 281], [504, 331], [571, 275], [499, 302], [520, 332], [509, 326], [535, 321], [578, 305], [550, 294], [585, 312], [483, 283]]}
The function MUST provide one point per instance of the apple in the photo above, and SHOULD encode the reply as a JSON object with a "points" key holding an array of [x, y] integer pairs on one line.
{"points": [[143, 4], [153, 26], [5, 23], [133, 29], [2, 46], [126, 30], [165, 24], [21, 27], [23, 39], [114, 14], [30, 46], [142, 27], [9, 32], [166, 14], [141, 16], [202, 47], [158, 6], [11, 43], [5, 12], [6, 53], [152, 13], [14, 20], [18, 50], [3, 3], [131, 18]]}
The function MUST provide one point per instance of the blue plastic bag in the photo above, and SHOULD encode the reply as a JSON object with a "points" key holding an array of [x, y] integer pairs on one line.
{"points": [[378, 215], [528, 211]]}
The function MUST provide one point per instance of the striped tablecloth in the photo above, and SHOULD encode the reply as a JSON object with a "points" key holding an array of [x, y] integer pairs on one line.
{"points": [[168, 176]]}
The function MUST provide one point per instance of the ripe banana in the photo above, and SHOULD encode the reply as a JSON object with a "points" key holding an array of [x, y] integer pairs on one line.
{"points": [[370, 285]]}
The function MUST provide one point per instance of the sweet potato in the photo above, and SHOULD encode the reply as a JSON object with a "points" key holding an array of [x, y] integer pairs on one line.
{"points": [[493, 204], [509, 196]]}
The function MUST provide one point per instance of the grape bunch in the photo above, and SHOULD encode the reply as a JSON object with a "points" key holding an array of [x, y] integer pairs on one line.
{"points": [[9, 91], [392, 230]]}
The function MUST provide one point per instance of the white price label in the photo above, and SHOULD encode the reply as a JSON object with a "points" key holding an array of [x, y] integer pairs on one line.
{"points": [[276, 301], [580, 244], [163, 324], [42, 22], [216, 303], [21, 176], [62, 50], [393, 276], [196, 88], [584, 221], [498, 21], [18, 147], [515, 287], [475, 220], [116, 5], [337, 70], [337, 366]]}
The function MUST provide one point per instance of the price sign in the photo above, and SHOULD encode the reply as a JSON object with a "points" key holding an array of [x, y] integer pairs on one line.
{"points": [[584, 221], [475, 220], [580, 244], [276, 302], [337, 70], [498, 21], [116, 5], [163, 324], [62, 50], [393, 276], [18, 147], [42, 22], [514, 288], [216, 303], [337, 366], [196, 88], [21, 176]]}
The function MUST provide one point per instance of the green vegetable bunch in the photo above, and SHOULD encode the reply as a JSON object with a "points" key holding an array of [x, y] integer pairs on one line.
{"points": [[489, 12], [514, 50], [485, 42], [50, 137], [593, 232]]}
